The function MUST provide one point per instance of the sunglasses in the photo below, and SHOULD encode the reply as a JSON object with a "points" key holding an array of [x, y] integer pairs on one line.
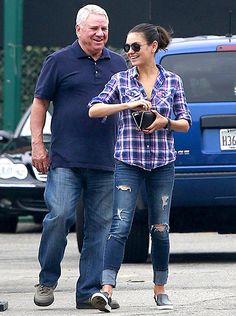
{"points": [[134, 46]]}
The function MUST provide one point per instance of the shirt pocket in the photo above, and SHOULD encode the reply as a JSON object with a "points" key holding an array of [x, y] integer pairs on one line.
{"points": [[131, 95]]}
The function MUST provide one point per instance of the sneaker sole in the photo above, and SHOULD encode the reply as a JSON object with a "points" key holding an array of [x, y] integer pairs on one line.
{"points": [[85, 306], [166, 307], [100, 303], [43, 303]]}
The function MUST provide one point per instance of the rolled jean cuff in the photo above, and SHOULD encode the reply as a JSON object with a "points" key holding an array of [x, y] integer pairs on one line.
{"points": [[109, 277], [160, 277]]}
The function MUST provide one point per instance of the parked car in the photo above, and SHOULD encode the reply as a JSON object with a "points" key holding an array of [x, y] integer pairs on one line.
{"points": [[204, 197], [205, 187], [21, 186]]}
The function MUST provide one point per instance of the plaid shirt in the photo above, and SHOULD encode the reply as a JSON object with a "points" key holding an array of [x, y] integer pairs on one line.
{"points": [[133, 147]]}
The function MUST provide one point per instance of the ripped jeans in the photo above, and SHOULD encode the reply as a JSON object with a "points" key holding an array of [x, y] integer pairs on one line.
{"points": [[159, 185]]}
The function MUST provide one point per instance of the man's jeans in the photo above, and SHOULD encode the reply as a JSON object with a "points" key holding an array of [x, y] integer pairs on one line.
{"points": [[62, 193], [159, 184]]}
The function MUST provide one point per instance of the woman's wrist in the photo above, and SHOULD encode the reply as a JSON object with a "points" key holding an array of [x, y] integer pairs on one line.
{"points": [[125, 106], [168, 124]]}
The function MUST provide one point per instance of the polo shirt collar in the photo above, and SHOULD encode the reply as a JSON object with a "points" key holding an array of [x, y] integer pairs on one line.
{"points": [[81, 54]]}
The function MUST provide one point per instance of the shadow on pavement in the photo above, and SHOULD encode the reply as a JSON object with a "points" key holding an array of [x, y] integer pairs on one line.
{"points": [[213, 257]]}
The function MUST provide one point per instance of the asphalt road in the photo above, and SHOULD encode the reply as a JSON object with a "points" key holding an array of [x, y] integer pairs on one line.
{"points": [[202, 277]]}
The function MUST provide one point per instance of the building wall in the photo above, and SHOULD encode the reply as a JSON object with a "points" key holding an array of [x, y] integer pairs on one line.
{"points": [[51, 22]]}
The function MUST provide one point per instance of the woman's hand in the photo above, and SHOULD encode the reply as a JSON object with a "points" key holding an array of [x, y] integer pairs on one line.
{"points": [[159, 123], [181, 125], [140, 105]]}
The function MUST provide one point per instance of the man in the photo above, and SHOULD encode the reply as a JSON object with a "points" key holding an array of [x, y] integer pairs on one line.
{"points": [[81, 154]]}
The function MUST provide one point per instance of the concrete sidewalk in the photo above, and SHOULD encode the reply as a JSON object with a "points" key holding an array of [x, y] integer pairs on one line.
{"points": [[196, 287]]}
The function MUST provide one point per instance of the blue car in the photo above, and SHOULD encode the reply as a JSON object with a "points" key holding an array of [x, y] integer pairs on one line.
{"points": [[205, 187]]}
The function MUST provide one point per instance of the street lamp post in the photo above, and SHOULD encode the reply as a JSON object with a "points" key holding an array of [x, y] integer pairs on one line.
{"points": [[13, 20]]}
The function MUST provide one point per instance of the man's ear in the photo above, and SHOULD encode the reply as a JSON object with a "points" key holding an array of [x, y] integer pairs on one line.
{"points": [[77, 30]]}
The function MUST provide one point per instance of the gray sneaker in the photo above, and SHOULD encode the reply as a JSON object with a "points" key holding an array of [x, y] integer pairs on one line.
{"points": [[101, 301], [163, 302], [88, 305], [44, 295]]}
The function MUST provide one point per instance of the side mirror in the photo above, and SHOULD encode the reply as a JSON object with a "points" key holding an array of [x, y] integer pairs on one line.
{"points": [[5, 136]]}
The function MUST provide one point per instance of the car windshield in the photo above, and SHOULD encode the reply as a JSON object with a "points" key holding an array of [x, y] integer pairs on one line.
{"points": [[17, 145], [26, 128], [207, 77]]}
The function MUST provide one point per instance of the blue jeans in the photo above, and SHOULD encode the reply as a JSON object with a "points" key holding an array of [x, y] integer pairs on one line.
{"points": [[159, 185], [62, 192]]}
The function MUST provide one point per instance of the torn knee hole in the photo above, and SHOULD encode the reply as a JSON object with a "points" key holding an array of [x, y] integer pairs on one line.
{"points": [[160, 227], [165, 199], [123, 187], [119, 211]]}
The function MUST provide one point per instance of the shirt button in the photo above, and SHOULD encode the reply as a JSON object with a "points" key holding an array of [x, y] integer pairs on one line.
{"points": [[148, 146]]}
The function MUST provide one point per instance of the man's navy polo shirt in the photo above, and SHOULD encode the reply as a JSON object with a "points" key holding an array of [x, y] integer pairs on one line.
{"points": [[70, 79]]}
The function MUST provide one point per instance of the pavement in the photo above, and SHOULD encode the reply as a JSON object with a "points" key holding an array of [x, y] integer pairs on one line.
{"points": [[202, 278]]}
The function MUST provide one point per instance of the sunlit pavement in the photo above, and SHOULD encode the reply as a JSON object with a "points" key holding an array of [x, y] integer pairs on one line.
{"points": [[202, 277]]}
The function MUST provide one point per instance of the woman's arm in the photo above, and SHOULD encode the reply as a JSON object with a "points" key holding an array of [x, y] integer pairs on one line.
{"points": [[181, 125], [103, 109]]}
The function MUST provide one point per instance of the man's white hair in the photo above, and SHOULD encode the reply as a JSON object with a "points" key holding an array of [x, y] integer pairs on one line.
{"points": [[85, 11]]}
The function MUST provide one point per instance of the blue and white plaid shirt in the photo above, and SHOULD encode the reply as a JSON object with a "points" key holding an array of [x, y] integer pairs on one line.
{"points": [[133, 147]]}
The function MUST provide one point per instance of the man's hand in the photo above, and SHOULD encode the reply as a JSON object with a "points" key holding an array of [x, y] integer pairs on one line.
{"points": [[40, 159]]}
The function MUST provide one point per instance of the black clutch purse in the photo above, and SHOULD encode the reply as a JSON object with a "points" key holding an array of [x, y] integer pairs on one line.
{"points": [[143, 119]]}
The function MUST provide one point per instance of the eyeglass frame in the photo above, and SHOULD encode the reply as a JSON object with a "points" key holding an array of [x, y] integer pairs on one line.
{"points": [[134, 46]]}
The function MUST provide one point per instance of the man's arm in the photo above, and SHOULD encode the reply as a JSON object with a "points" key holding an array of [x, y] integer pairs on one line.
{"points": [[40, 159]]}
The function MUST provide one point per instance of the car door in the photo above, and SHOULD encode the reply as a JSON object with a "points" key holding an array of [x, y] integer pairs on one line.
{"points": [[210, 86]]}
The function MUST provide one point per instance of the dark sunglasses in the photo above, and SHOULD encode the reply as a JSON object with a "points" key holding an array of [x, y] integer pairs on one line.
{"points": [[134, 46]]}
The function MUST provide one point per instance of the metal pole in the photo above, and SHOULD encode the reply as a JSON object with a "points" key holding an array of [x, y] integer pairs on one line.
{"points": [[13, 20]]}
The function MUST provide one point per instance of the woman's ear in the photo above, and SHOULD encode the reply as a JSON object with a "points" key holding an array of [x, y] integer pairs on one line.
{"points": [[154, 46]]}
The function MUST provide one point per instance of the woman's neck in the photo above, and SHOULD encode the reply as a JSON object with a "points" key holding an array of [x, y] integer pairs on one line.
{"points": [[148, 71], [147, 77]]}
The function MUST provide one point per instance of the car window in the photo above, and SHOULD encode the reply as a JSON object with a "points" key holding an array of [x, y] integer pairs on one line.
{"points": [[26, 128], [207, 77]]}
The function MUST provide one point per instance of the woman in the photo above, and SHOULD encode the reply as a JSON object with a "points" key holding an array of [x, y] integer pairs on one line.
{"points": [[142, 154]]}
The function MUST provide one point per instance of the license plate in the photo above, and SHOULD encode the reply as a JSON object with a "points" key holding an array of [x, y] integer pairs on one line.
{"points": [[10, 170], [228, 139]]}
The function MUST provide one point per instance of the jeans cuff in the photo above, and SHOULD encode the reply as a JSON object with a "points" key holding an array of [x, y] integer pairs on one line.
{"points": [[109, 277], [160, 277]]}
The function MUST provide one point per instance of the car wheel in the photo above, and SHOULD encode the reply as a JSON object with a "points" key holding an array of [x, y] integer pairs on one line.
{"points": [[38, 219], [137, 245], [8, 224]]}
